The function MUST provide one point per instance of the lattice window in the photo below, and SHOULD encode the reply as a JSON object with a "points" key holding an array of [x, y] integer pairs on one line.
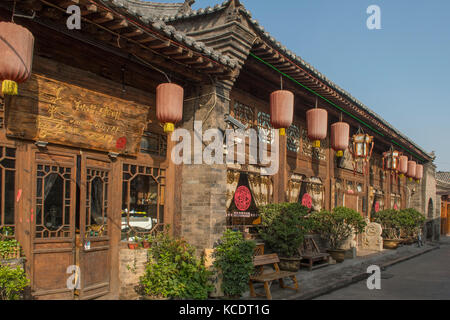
{"points": [[293, 138], [154, 144], [7, 190], [53, 201], [97, 182], [244, 114], [143, 197], [265, 130]]}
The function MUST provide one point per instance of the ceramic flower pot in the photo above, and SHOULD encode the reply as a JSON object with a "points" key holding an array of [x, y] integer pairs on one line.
{"points": [[133, 245], [146, 244], [289, 264], [337, 254], [391, 244]]}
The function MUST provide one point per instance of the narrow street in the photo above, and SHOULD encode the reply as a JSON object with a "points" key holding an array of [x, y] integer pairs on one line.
{"points": [[425, 277]]}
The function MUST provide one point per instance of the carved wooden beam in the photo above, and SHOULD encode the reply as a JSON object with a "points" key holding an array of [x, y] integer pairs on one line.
{"points": [[103, 17]]}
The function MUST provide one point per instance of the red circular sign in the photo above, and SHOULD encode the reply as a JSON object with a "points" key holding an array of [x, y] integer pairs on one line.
{"points": [[307, 201], [377, 206], [121, 143], [242, 198]]}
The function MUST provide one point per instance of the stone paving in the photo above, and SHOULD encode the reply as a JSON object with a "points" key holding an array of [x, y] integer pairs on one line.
{"points": [[323, 280]]}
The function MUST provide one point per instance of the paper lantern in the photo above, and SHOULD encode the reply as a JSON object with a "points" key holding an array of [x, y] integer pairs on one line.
{"points": [[362, 147], [340, 134], [403, 165], [317, 121], [16, 56], [281, 110], [412, 165], [169, 105], [391, 161], [419, 172]]}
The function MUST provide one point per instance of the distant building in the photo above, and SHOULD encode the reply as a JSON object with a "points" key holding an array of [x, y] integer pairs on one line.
{"points": [[443, 194]]}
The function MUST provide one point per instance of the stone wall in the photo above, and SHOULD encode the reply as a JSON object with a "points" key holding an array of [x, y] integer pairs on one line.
{"points": [[131, 268], [202, 202]]}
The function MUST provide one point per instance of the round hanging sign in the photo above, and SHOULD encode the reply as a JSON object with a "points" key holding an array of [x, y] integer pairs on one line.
{"points": [[121, 143], [242, 198], [307, 201], [377, 206]]}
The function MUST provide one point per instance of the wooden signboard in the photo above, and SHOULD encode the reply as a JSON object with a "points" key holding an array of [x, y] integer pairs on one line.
{"points": [[57, 112]]}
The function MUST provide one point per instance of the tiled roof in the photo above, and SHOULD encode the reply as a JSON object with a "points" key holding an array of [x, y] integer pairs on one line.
{"points": [[443, 176], [143, 11], [296, 59], [157, 9]]}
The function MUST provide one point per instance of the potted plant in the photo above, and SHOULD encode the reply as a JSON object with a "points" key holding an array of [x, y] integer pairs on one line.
{"points": [[336, 227], [147, 241], [174, 271], [134, 243], [410, 221], [390, 222], [283, 227]]}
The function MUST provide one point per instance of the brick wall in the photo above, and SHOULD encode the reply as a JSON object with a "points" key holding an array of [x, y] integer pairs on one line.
{"points": [[131, 268]]}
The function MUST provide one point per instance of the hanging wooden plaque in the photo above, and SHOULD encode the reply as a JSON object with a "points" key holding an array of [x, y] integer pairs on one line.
{"points": [[61, 113]]}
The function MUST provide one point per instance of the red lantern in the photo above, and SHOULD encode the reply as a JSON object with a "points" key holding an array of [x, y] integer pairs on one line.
{"points": [[340, 134], [317, 120], [412, 165], [16, 56], [169, 105], [419, 172], [403, 165], [281, 110]]}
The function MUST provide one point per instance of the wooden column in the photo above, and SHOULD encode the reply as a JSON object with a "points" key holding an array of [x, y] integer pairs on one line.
{"points": [[281, 178]]}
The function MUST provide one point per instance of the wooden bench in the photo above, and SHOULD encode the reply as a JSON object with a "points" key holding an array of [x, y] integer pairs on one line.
{"points": [[259, 276], [311, 253]]}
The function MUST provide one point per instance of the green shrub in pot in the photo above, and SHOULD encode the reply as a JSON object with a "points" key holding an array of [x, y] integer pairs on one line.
{"points": [[283, 228], [337, 226], [233, 260]]}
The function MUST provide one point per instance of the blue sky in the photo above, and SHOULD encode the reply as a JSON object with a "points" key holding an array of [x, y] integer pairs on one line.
{"points": [[402, 71]]}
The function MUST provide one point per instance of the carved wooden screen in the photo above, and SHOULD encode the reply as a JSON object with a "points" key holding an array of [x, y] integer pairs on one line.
{"points": [[7, 190], [293, 138], [53, 201], [244, 114], [143, 196], [265, 129]]}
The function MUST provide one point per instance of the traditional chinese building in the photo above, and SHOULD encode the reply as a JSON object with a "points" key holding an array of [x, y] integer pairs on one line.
{"points": [[443, 194], [86, 165]]}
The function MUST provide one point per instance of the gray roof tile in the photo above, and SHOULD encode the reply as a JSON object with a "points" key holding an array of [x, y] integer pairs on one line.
{"points": [[151, 13]]}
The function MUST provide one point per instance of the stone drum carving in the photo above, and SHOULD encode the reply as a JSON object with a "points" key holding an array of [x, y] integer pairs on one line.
{"points": [[372, 239]]}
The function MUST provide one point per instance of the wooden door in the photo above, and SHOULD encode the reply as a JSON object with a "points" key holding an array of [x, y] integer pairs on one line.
{"points": [[53, 227], [445, 221], [351, 201], [93, 247]]}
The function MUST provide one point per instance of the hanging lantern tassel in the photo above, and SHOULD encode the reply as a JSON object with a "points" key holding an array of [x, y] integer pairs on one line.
{"points": [[10, 88]]}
